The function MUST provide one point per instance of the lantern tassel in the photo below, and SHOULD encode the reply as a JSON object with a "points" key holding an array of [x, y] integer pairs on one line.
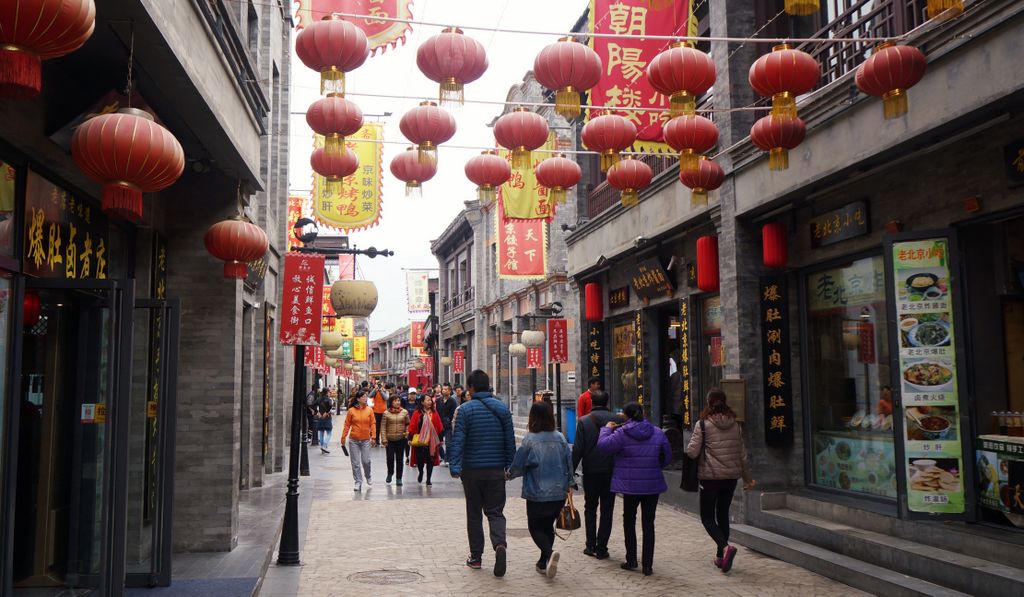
{"points": [[630, 198], [567, 103], [688, 161], [946, 9], [486, 195], [521, 158], [894, 104], [413, 190], [784, 105], [778, 158], [699, 198], [801, 8], [451, 93], [334, 144], [20, 73], [236, 270], [335, 186], [427, 153], [332, 82], [682, 104], [122, 200], [608, 159]]}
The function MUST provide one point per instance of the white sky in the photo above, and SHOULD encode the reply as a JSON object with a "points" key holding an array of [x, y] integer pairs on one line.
{"points": [[408, 225]]}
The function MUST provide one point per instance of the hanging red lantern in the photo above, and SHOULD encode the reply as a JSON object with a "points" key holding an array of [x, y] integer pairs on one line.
{"points": [[707, 176], [335, 118], [630, 176], [129, 154], [593, 301], [777, 135], [567, 67], [488, 171], [782, 75], [707, 263], [947, 9], [608, 134], [334, 168], [558, 173], [332, 46], [801, 8], [236, 242], [31, 309], [774, 245], [521, 131], [427, 126], [690, 135], [408, 167], [888, 73], [35, 30], [451, 59], [681, 73]]}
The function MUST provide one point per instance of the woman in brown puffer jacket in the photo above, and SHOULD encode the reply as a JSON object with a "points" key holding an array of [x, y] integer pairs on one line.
{"points": [[724, 460]]}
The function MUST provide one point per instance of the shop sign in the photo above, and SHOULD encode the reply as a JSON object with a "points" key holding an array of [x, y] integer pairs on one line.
{"points": [[534, 357], [356, 202], [329, 316], [849, 221], [775, 361], [858, 284], [595, 350], [459, 361], [65, 237], [294, 214], [158, 289], [1013, 158], [315, 358], [428, 366], [650, 280], [558, 340], [684, 358], [638, 337], [691, 274], [301, 303], [522, 247], [417, 289], [618, 297], [347, 349], [417, 330], [1001, 473], [359, 349]]}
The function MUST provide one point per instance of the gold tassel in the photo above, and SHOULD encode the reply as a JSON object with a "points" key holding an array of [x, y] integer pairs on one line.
{"points": [[801, 8], [682, 104], [558, 195], [521, 158], [630, 197], [946, 9], [567, 103], [334, 144], [427, 153], [486, 194], [609, 158], [699, 198], [778, 158], [894, 103], [688, 161], [332, 82], [413, 190], [784, 104], [451, 93]]}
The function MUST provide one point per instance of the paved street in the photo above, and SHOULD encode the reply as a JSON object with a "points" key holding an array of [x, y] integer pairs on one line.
{"points": [[412, 540]]}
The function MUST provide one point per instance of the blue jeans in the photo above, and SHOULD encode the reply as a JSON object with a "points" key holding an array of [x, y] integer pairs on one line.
{"points": [[325, 437]]}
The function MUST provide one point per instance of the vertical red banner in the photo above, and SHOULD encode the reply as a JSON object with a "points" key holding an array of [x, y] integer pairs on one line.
{"points": [[522, 247], [534, 357], [302, 299], [416, 333], [459, 361], [558, 341], [294, 213], [428, 367], [315, 358]]}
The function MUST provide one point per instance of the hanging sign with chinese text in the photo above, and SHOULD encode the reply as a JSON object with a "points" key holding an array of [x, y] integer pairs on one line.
{"points": [[380, 34], [558, 341], [522, 197], [534, 357], [775, 361], [294, 213], [347, 348], [459, 361], [302, 299], [650, 280], [315, 358], [418, 290], [522, 248], [684, 359], [329, 316], [618, 297], [638, 336], [416, 333], [64, 236], [355, 203], [595, 350], [849, 221], [359, 349]]}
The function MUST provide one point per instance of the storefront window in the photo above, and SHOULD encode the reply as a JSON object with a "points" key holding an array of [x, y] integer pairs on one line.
{"points": [[712, 362], [848, 375], [7, 176], [623, 381]]}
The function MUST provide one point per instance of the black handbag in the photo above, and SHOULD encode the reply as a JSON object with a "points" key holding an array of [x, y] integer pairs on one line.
{"points": [[689, 481], [569, 518]]}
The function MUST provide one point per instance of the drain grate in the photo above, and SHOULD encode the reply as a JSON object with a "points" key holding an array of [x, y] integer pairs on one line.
{"points": [[517, 532], [386, 577]]}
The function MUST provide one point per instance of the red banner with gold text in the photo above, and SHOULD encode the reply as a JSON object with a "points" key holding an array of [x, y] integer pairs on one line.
{"points": [[380, 34], [522, 247]]}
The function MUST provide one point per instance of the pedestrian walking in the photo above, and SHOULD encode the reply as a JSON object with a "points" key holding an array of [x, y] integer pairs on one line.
{"points": [[717, 446], [312, 399], [380, 405], [641, 450], [545, 463], [412, 403], [425, 430], [585, 402], [483, 445], [325, 421], [460, 394], [360, 427], [446, 409], [597, 475], [396, 426]]}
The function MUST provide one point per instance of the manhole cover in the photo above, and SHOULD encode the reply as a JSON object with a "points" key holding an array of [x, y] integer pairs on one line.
{"points": [[517, 532], [386, 577]]}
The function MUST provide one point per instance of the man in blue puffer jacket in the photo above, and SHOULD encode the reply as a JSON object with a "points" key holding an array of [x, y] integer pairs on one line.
{"points": [[483, 445]]}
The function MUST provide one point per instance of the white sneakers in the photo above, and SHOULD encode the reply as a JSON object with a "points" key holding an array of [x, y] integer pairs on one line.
{"points": [[552, 568]]}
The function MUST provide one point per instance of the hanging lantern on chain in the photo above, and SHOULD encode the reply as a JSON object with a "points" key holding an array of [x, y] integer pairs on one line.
{"points": [[129, 154], [353, 298], [334, 168], [408, 167], [707, 176], [236, 242], [451, 59], [532, 338], [681, 73], [488, 171], [774, 245], [801, 8], [330, 341], [690, 135], [630, 176], [25, 42], [593, 300], [517, 349], [427, 126], [558, 173], [947, 9], [31, 309], [777, 135], [783, 74], [521, 131], [608, 134], [332, 46], [446, 361], [567, 67], [335, 118], [888, 72], [707, 263]]}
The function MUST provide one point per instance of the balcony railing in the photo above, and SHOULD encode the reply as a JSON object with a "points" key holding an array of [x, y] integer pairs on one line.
{"points": [[459, 303], [604, 195]]}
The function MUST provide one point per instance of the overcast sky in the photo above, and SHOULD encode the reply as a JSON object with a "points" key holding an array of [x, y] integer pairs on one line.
{"points": [[408, 225]]}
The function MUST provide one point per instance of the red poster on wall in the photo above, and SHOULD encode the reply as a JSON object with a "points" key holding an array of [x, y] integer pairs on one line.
{"points": [[302, 299], [416, 333], [534, 357], [459, 361], [558, 341]]}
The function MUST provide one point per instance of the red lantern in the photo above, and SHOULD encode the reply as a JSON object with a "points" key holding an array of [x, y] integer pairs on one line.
{"points": [[567, 67], [31, 310], [777, 135], [236, 241], [128, 154], [427, 126], [335, 118], [774, 245], [707, 263], [691, 136], [451, 59], [630, 176], [521, 131], [334, 168], [608, 134], [682, 73], [783, 74], [558, 173], [35, 30], [408, 167], [332, 47], [707, 176], [593, 301], [488, 171], [888, 73]]}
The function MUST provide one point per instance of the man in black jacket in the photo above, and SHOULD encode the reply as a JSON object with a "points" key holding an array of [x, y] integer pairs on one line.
{"points": [[597, 475], [446, 405]]}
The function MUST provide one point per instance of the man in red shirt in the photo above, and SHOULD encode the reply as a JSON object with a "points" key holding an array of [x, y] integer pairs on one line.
{"points": [[584, 404]]}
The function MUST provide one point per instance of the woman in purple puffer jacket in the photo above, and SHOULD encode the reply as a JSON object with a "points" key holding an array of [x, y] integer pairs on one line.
{"points": [[641, 451]]}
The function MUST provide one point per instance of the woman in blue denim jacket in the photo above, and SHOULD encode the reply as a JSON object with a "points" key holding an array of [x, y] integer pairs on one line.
{"points": [[544, 460]]}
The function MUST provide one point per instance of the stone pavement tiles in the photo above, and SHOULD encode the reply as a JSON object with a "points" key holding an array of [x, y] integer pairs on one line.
{"points": [[387, 540]]}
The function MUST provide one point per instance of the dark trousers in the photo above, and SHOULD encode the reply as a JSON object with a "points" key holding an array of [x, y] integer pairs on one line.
{"points": [[395, 454], [379, 417], [647, 504], [540, 518], [424, 459], [715, 498], [597, 492], [485, 496]]}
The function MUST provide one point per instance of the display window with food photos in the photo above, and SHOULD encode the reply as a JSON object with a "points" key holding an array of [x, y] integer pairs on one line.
{"points": [[623, 383]]}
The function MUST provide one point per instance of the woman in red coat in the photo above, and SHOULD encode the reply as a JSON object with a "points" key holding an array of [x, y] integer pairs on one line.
{"points": [[426, 424]]}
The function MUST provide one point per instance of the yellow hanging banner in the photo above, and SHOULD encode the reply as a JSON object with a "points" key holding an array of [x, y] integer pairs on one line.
{"points": [[359, 349], [522, 196], [358, 202]]}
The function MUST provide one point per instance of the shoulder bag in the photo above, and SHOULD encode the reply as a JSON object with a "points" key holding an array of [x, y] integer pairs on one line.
{"points": [[689, 481], [569, 517]]}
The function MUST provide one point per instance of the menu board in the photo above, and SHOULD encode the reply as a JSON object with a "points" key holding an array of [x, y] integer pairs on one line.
{"points": [[933, 457]]}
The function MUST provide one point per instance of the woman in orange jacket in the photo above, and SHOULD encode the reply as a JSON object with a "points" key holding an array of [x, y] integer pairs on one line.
{"points": [[425, 429], [360, 428]]}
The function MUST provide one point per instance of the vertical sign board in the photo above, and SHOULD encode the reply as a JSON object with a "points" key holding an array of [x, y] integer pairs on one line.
{"points": [[558, 341], [417, 288], [359, 349], [534, 357], [684, 358], [638, 334], [595, 350], [459, 361], [302, 299], [775, 361], [416, 334]]}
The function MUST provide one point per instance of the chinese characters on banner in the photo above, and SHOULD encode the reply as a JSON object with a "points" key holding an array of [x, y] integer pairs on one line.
{"points": [[534, 357], [522, 197], [418, 290], [624, 82], [347, 348], [595, 350], [359, 349], [294, 213], [315, 358], [381, 34], [416, 333], [921, 281], [638, 335], [428, 367], [302, 299], [849, 221], [64, 236], [558, 341], [775, 365], [522, 248], [356, 202], [329, 316], [684, 358], [459, 361], [651, 280]]}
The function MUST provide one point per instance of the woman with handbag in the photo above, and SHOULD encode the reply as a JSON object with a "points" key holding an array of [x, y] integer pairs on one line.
{"points": [[641, 450], [717, 446], [544, 460], [425, 429], [394, 438]]}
